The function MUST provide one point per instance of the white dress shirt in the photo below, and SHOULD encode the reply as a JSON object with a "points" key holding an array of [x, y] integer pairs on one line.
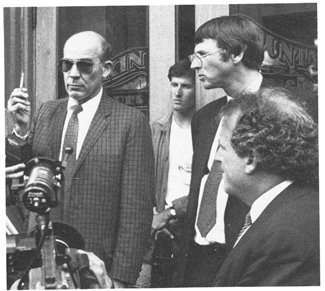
{"points": [[263, 201], [85, 117], [217, 233]]}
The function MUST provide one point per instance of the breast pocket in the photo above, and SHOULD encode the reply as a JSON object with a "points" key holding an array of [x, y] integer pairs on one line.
{"points": [[185, 171]]}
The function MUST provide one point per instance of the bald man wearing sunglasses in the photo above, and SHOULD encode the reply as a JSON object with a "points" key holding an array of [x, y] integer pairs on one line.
{"points": [[109, 176]]}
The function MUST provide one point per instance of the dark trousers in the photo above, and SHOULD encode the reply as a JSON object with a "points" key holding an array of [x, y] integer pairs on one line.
{"points": [[203, 264], [164, 261]]}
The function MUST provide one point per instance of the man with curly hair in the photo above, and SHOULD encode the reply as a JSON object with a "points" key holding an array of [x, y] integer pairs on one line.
{"points": [[228, 54], [268, 150]]}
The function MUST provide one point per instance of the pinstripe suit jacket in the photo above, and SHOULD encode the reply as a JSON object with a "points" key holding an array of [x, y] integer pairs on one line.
{"points": [[108, 200], [281, 248], [204, 128]]}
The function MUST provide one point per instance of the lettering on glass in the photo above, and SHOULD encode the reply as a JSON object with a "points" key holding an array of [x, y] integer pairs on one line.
{"points": [[288, 61], [128, 82]]}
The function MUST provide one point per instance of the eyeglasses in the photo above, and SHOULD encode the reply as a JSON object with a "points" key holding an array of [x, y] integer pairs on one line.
{"points": [[84, 66], [199, 57]]}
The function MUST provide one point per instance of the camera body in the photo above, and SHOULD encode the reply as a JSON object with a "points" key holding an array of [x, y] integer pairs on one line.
{"points": [[43, 177], [49, 266], [47, 258]]}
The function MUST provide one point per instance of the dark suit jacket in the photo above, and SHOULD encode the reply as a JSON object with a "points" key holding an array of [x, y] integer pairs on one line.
{"points": [[281, 248], [205, 123], [204, 126], [108, 200]]}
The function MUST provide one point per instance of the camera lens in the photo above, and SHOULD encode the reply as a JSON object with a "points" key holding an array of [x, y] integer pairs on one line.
{"points": [[39, 193]]}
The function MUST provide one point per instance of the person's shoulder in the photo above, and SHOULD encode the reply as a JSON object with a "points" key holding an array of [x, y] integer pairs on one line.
{"points": [[210, 110], [212, 106], [307, 195], [55, 102], [161, 122], [296, 205], [51, 105], [117, 105], [297, 201], [125, 112]]}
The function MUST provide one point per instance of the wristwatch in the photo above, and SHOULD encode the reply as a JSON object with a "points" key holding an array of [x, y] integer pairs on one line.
{"points": [[172, 212]]}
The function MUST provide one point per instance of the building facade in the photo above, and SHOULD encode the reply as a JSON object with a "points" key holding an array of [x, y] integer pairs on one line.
{"points": [[146, 41]]}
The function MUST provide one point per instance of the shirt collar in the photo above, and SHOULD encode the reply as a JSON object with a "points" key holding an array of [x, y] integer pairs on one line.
{"points": [[92, 103], [265, 199], [256, 85]]}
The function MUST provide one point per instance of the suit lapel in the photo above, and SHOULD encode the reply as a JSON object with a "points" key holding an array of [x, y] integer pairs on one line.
{"points": [[283, 200], [57, 128], [209, 142], [208, 135], [98, 124]]}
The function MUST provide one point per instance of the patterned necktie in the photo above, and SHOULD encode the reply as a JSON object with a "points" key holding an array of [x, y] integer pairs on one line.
{"points": [[208, 208], [71, 139], [247, 224]]}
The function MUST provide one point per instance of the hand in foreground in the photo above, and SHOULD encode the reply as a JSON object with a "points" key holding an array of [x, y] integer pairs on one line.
{"points": [[98, 267], [19, 108], [160, 219], [15, 171]]}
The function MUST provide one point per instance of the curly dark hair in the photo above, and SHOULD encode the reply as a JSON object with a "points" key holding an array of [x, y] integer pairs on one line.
{"points": [[280, 133]]}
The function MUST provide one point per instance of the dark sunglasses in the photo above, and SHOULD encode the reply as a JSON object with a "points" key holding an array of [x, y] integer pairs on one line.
{"points": [[84, 66]]}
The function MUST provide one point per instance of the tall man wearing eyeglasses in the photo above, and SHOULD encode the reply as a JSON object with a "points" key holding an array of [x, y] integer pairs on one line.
{"points": [[109, 178], [228, 54]]}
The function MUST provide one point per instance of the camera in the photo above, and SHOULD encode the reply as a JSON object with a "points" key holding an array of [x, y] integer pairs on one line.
{"points": [[52, 266], [43, 177], [48, 258]]}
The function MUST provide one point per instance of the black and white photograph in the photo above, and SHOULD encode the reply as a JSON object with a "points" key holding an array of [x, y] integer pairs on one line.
{"points": [[161, 145]]}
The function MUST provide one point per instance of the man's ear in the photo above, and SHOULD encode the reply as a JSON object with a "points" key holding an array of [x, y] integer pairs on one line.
{"points": [[237, 59], [251, 163], [108, 67]]}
